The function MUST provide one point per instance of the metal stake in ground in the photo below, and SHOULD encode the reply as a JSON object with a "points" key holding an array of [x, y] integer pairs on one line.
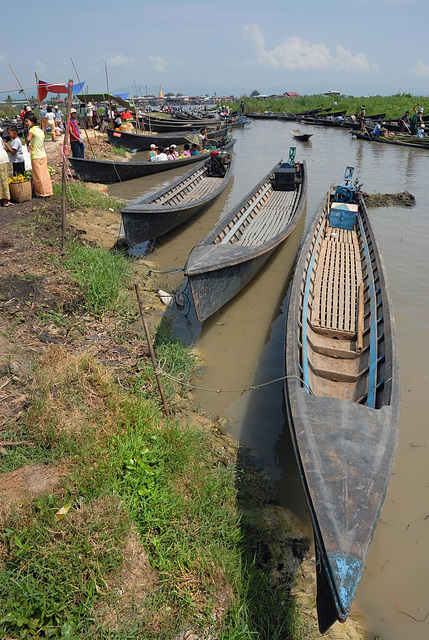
{"points": [[152, 352]]}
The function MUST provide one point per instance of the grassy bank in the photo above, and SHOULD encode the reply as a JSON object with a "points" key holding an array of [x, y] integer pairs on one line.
{"points": [[118, 522], [394, 106]]}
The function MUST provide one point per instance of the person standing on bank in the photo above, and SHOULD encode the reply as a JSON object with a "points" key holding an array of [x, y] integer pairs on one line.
{"points": [[76, 142], [39, 161], [4, 175], [15, 150]]}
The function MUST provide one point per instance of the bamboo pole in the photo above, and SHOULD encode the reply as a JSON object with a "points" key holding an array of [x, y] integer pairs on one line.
{"points": [[152, 352], [135, 110], [65, 167], [360, 318], [108, 93], [22, 88], [84, 99], [38, 101]]}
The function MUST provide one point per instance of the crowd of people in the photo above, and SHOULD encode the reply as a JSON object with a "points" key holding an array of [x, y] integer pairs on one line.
{"points": [[12, 152]]}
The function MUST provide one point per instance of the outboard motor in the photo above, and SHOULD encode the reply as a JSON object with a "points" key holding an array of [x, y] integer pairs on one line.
{"points": [[345, 192], [285, 174], [344, 210], [215, 168]]}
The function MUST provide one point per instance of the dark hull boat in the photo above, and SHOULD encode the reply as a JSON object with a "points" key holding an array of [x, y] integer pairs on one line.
{"points": [[299, 135], [142, 141], [107, 172], [229, 257], [149, 218], [400, 139], [342, 392]]}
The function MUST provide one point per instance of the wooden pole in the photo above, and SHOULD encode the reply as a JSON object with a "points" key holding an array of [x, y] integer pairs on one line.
{"points": [[22, 88], [108, 93], [84, 99], [65, 167], [38, 101], [135, 110], [152, 352]]}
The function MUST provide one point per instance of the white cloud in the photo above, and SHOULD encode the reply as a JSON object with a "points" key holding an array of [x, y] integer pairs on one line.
{"points": [[296, 53], [40, 67], [93, 69], [120, 60], [421, 69], [2, 58], [158, 63]]}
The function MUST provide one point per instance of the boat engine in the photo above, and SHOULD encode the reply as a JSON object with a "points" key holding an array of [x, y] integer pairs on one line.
{"points": [[345, 192], [285, 174]]}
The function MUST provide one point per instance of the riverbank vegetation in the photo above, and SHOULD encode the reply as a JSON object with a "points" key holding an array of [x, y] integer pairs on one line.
{"points": [[117, 521], [393, 106]]}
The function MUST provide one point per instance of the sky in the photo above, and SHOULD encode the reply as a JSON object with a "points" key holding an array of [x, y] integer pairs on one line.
{"points": [[227, 47]]}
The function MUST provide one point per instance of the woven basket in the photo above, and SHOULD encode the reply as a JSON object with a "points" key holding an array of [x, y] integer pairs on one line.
{"points": [[20, 191]]}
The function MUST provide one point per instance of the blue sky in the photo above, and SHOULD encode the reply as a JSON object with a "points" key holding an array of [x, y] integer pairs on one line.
{"points": [[364, 47]]}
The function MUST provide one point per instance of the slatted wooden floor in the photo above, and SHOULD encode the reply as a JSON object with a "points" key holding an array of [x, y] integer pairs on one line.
{"points": [[337, 281], [189, 192], [273, 218]]}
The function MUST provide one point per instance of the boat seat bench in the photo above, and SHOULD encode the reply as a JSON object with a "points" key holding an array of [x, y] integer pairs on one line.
{"points": [[339, 253]]}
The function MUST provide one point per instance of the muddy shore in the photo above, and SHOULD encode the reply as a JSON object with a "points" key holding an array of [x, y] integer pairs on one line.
{"points": [[31, 289]]}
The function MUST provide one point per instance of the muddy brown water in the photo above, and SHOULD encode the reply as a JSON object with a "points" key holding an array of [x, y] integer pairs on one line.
{"points": [[243, 345]]}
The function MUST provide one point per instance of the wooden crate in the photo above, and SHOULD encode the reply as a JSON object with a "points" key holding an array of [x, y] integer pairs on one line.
{"points": [[20, 191]]}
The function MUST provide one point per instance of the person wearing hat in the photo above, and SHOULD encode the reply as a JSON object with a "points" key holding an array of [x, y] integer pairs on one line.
{"points": [[89, 115], [173, 150], [76, 142], [58, 117], [152, 153], [416, 119], [362, 117], [421, 131]]}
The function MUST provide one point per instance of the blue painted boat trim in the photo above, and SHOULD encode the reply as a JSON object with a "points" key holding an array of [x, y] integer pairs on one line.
{"points": [[346, 573], [305, 307], [373, 323]]}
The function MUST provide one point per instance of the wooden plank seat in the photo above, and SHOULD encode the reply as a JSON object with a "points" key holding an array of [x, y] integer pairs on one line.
{"points": [[334, 304], [270, 221], [191, 192]]}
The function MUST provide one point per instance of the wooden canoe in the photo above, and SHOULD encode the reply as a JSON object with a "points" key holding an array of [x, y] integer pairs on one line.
{"points": [[227, 259], [142, 141], [299, 135], [342, 397], [401, 139], [148, 218], [108, 172]]}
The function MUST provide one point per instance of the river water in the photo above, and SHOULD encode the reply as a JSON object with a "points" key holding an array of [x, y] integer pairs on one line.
{"points": [[242, 345]]}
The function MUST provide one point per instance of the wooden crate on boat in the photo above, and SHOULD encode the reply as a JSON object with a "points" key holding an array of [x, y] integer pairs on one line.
{"points": [[343, 215]]}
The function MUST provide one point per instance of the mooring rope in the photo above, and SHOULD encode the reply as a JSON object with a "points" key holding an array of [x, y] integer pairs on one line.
{"points": [[180, 380], [172, 270]]}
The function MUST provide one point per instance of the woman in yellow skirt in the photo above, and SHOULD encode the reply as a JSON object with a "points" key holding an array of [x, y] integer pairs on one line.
{"points": [[39, 161]]}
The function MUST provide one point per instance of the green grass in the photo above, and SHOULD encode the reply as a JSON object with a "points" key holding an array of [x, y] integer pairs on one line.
{"points": [[129, 469], [101, 275], [394, 106], [79, 196]]}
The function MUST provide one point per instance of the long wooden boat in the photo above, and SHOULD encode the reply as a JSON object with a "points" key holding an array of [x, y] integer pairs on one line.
{"points": [[299, 135], [142, 141], [148, 218], [342, 391], [401, 139], [227, 259], [108, 172]]}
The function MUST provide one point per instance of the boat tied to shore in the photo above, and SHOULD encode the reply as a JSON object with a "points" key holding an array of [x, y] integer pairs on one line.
{"points": [[341, 390], [148, 218], [227, 259]]}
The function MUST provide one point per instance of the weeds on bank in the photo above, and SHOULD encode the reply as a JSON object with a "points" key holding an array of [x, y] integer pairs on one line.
{"points": [[78, 196], [101, 275], [128, 470]]}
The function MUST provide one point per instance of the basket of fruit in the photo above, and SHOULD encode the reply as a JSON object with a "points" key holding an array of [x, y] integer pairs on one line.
{"points": [[20, 187]]}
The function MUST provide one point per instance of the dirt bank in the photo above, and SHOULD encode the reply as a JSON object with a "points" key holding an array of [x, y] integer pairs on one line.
{"points": [[38, 309]]}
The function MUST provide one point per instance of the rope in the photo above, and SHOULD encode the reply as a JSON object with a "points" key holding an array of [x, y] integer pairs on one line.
{"points": [[172, 270], [180, 380]]}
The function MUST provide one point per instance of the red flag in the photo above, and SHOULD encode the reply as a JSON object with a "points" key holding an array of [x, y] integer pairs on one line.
{"points": [[44, 87]]}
